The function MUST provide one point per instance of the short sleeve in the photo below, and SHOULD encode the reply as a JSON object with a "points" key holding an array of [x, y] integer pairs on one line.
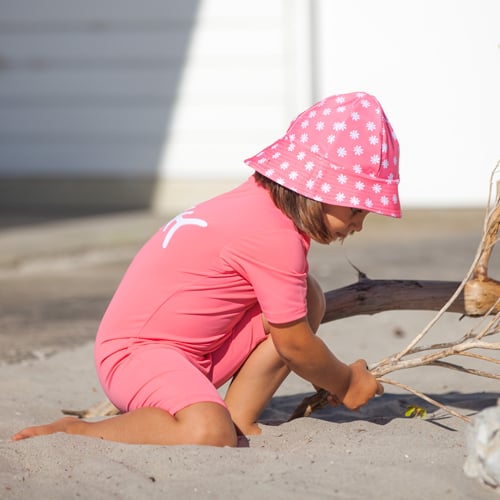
{"points": [[275, 265]]}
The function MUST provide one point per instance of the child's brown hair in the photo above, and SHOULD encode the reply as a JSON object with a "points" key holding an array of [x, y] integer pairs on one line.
{"points": [[307, 214]]}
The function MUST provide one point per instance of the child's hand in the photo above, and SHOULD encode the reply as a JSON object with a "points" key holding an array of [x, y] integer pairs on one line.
{"points": [[362, 387]]}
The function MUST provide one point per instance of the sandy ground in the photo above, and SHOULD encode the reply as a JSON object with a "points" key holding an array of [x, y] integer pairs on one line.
{"points": [[56, 278]]}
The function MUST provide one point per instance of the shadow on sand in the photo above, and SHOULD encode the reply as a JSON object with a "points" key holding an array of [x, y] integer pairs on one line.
{"points": [[385, 408]]}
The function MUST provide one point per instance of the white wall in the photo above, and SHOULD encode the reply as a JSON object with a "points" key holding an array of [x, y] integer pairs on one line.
{"points": [[166, 90], [247, 73], [181, 91], [87, 88], [435, 66], [239, 87]]}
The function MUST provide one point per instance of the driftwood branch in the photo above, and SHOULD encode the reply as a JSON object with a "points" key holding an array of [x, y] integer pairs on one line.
{"points": [[369, 296]]}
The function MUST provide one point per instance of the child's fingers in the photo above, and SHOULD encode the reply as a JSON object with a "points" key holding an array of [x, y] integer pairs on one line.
{"points": [[380, 388]]}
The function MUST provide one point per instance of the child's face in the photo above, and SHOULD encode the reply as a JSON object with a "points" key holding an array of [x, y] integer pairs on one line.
{"points": [[343, 221]]}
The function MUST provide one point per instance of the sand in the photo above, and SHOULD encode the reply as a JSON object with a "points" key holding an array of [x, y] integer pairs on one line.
{"points": [[55, 280]]}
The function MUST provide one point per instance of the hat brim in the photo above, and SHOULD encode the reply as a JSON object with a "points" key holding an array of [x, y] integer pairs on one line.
{"points": [[306, 171]]}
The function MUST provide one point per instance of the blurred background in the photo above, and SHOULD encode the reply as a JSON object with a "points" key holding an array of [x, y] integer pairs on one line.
{"points": [[108, 105]]}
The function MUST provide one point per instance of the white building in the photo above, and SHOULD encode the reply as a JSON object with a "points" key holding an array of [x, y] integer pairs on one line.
{"points": [[121, 103]]}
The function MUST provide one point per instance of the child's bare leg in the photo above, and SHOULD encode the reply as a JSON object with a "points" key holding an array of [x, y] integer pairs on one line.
{"points": [[254, 385], [200, 423], [264, 370]]}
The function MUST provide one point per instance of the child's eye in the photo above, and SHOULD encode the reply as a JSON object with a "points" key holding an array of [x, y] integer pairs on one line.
{"points": [[356, 211]]}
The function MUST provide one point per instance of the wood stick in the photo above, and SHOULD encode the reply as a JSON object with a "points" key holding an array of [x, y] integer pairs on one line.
{"points": [[373, 296], [447, 409]]}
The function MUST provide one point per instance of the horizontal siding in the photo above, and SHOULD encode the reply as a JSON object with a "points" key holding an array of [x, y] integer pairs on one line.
{"points": [[68, 122], [100, 160], [66, 159], [234, 87], [151, 86], [77, 87], [89, 89], [96, 13], [92, 50], [151, 47], [99, 13], [138, 88]]}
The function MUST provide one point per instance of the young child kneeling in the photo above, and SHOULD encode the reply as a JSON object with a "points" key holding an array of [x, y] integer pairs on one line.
{"points": [[223, 291]]}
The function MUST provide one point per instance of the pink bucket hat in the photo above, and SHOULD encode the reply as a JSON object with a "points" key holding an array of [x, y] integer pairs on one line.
{"points": [[340, 151]]}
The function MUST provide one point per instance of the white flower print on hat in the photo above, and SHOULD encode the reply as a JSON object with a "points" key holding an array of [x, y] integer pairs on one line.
{"points": [[340, 151]]}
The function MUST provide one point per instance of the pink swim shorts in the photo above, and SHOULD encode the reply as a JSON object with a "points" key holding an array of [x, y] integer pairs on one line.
{"points": [[156, 374]]}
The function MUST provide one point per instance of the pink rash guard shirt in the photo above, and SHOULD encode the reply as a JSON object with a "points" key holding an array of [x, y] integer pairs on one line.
{"points": [[194, 292]]}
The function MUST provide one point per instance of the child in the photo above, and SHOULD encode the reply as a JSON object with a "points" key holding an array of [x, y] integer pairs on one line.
{"points": [[222, 291]]}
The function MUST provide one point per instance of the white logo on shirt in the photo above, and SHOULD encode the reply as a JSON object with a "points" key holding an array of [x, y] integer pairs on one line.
{"points": [[179, 221]]}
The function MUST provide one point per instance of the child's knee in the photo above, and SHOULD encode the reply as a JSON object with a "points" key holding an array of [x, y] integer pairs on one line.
{"points": [[210, 424], [215, 435]]}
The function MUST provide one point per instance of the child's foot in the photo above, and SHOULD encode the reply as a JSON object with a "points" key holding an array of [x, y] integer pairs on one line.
{"points": [[60, 425]]}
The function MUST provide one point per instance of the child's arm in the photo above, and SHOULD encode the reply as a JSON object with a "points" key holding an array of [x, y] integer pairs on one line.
{"points": [[308, 356]]}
